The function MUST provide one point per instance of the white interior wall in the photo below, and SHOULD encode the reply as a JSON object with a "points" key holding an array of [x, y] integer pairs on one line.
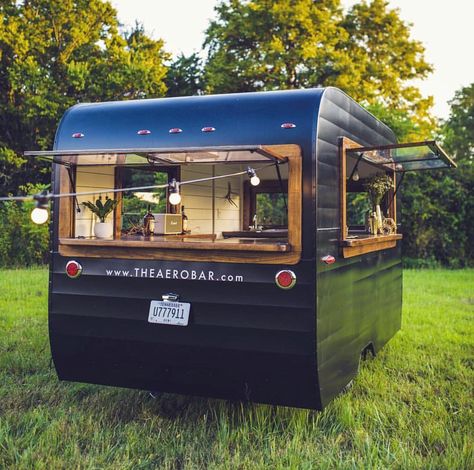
{"points": [[197, 199], [92, 178]]}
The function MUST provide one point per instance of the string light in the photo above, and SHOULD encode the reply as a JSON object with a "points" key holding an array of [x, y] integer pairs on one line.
{"points": [[355, 175], [43, 198], [174, 197], [40, 214], [254, 179]]}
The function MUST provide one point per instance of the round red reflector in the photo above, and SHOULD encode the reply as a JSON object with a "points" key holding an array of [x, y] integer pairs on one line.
{"points": [[73, 269], [285, 279]]}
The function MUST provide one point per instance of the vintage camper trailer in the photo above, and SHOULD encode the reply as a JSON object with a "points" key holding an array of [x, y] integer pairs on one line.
{"points": [[268, 286]]}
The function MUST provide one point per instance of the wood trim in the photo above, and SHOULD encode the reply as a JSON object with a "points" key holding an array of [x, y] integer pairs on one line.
{"points": [[359, 246], [295, 201], [118, 252], [66, 204], [172, 243], [344, 144], [119, 199], [269, 253], [371, 239]]}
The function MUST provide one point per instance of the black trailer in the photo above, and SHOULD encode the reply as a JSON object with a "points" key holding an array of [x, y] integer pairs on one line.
{"points": [[266, 292]]}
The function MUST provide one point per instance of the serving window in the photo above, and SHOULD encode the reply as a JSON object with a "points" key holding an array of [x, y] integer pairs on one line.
{"points": [[368, 187], [220, 215]]}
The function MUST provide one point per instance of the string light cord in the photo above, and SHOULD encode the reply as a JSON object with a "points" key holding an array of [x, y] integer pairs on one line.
{"points": [[133, 188]]}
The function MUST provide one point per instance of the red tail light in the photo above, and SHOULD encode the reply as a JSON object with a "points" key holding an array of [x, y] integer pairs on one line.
{"points": [[285, 279], [73, 269], [288, 125], [143, 132], [328, 259], [77, 135], [208, 129], [175, 130]]}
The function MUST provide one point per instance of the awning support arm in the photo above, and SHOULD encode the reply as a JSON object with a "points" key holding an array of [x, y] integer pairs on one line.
{"points": [[361, 155], [73, 187], [396, 190]]}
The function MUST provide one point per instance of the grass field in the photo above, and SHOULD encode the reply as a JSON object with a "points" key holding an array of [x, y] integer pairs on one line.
{"points": [[410, 407]]}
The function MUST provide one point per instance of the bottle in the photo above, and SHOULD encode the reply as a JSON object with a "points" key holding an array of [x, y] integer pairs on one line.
{"points": [[185, 220], [148, 223]]}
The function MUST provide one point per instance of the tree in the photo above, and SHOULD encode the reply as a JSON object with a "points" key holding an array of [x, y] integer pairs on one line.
{"points": [[459, 128], [55, 53], [268, 44], [185, 76], [437, 207]]}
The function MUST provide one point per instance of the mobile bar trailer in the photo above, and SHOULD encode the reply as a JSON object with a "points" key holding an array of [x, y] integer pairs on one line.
{"points": [[256, 282]]}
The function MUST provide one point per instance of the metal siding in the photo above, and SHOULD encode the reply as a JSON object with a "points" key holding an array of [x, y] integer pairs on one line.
{"points": [[358, 299], [249, 340], [245, 340]]}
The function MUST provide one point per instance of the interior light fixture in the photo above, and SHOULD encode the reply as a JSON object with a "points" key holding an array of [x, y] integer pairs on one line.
{"points": [[40, 214], [174, 197], [355, 175], [254, 179]]}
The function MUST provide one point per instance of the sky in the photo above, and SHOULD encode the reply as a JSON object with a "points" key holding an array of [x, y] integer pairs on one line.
{"points": [[444, 27]]}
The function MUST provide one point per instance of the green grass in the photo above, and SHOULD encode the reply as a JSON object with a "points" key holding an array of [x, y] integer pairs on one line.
{"points": [[411, 407]]}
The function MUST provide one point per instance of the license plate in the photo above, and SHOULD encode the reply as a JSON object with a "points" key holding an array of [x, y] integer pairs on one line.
{"points": [[169, 312]]}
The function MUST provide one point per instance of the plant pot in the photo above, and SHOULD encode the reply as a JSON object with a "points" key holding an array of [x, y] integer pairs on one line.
{"points": [[104, 229]]}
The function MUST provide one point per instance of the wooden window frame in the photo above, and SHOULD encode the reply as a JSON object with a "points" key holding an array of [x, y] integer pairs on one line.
{"points": [[289, 253], [358, 246]]}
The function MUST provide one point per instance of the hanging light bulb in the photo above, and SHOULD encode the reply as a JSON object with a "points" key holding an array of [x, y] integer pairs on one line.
{"points": [[174, 197], [40, 214], [355, 175], [254, 179]]}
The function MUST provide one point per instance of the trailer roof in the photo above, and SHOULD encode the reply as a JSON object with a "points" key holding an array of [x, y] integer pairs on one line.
{"points": [[278, 117]]}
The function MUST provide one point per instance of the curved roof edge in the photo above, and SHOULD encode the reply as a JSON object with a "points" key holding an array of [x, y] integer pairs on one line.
{"points": [[210, 120], [231, 119]]}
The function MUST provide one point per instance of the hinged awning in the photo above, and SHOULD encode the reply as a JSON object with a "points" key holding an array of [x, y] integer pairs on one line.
{"points": [[160, 156], [427, 155]]}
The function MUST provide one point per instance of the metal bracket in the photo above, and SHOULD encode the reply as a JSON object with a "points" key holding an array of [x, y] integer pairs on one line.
{"points": [[73, 186], [170, 297]]}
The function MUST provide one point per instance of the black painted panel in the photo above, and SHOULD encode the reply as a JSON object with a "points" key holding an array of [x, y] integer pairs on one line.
{"points": [[358, 299]]}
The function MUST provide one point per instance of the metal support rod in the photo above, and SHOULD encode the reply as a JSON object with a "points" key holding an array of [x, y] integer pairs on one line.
{"points": [[396, 190], [73, 186], [361, 155]]}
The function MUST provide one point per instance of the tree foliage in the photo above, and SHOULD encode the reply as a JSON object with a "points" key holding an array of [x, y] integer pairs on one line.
{"points": [[257, 45], [437, 206], [55, 53], [185, 76]]}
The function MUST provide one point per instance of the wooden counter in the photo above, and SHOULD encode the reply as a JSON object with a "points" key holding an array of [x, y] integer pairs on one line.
{"points": [[231, 250], [367, 243]]}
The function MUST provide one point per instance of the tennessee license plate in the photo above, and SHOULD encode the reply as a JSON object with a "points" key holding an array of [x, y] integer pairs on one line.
{"points": [[169, 312]]}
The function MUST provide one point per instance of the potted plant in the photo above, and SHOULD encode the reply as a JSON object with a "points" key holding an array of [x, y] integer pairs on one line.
{"points": [[102, 229], [377, 186]]}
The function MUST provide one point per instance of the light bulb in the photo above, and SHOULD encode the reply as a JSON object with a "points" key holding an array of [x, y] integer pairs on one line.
{"points": [[356, 176], [39, 215], [174, 198], [255, 180]]}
